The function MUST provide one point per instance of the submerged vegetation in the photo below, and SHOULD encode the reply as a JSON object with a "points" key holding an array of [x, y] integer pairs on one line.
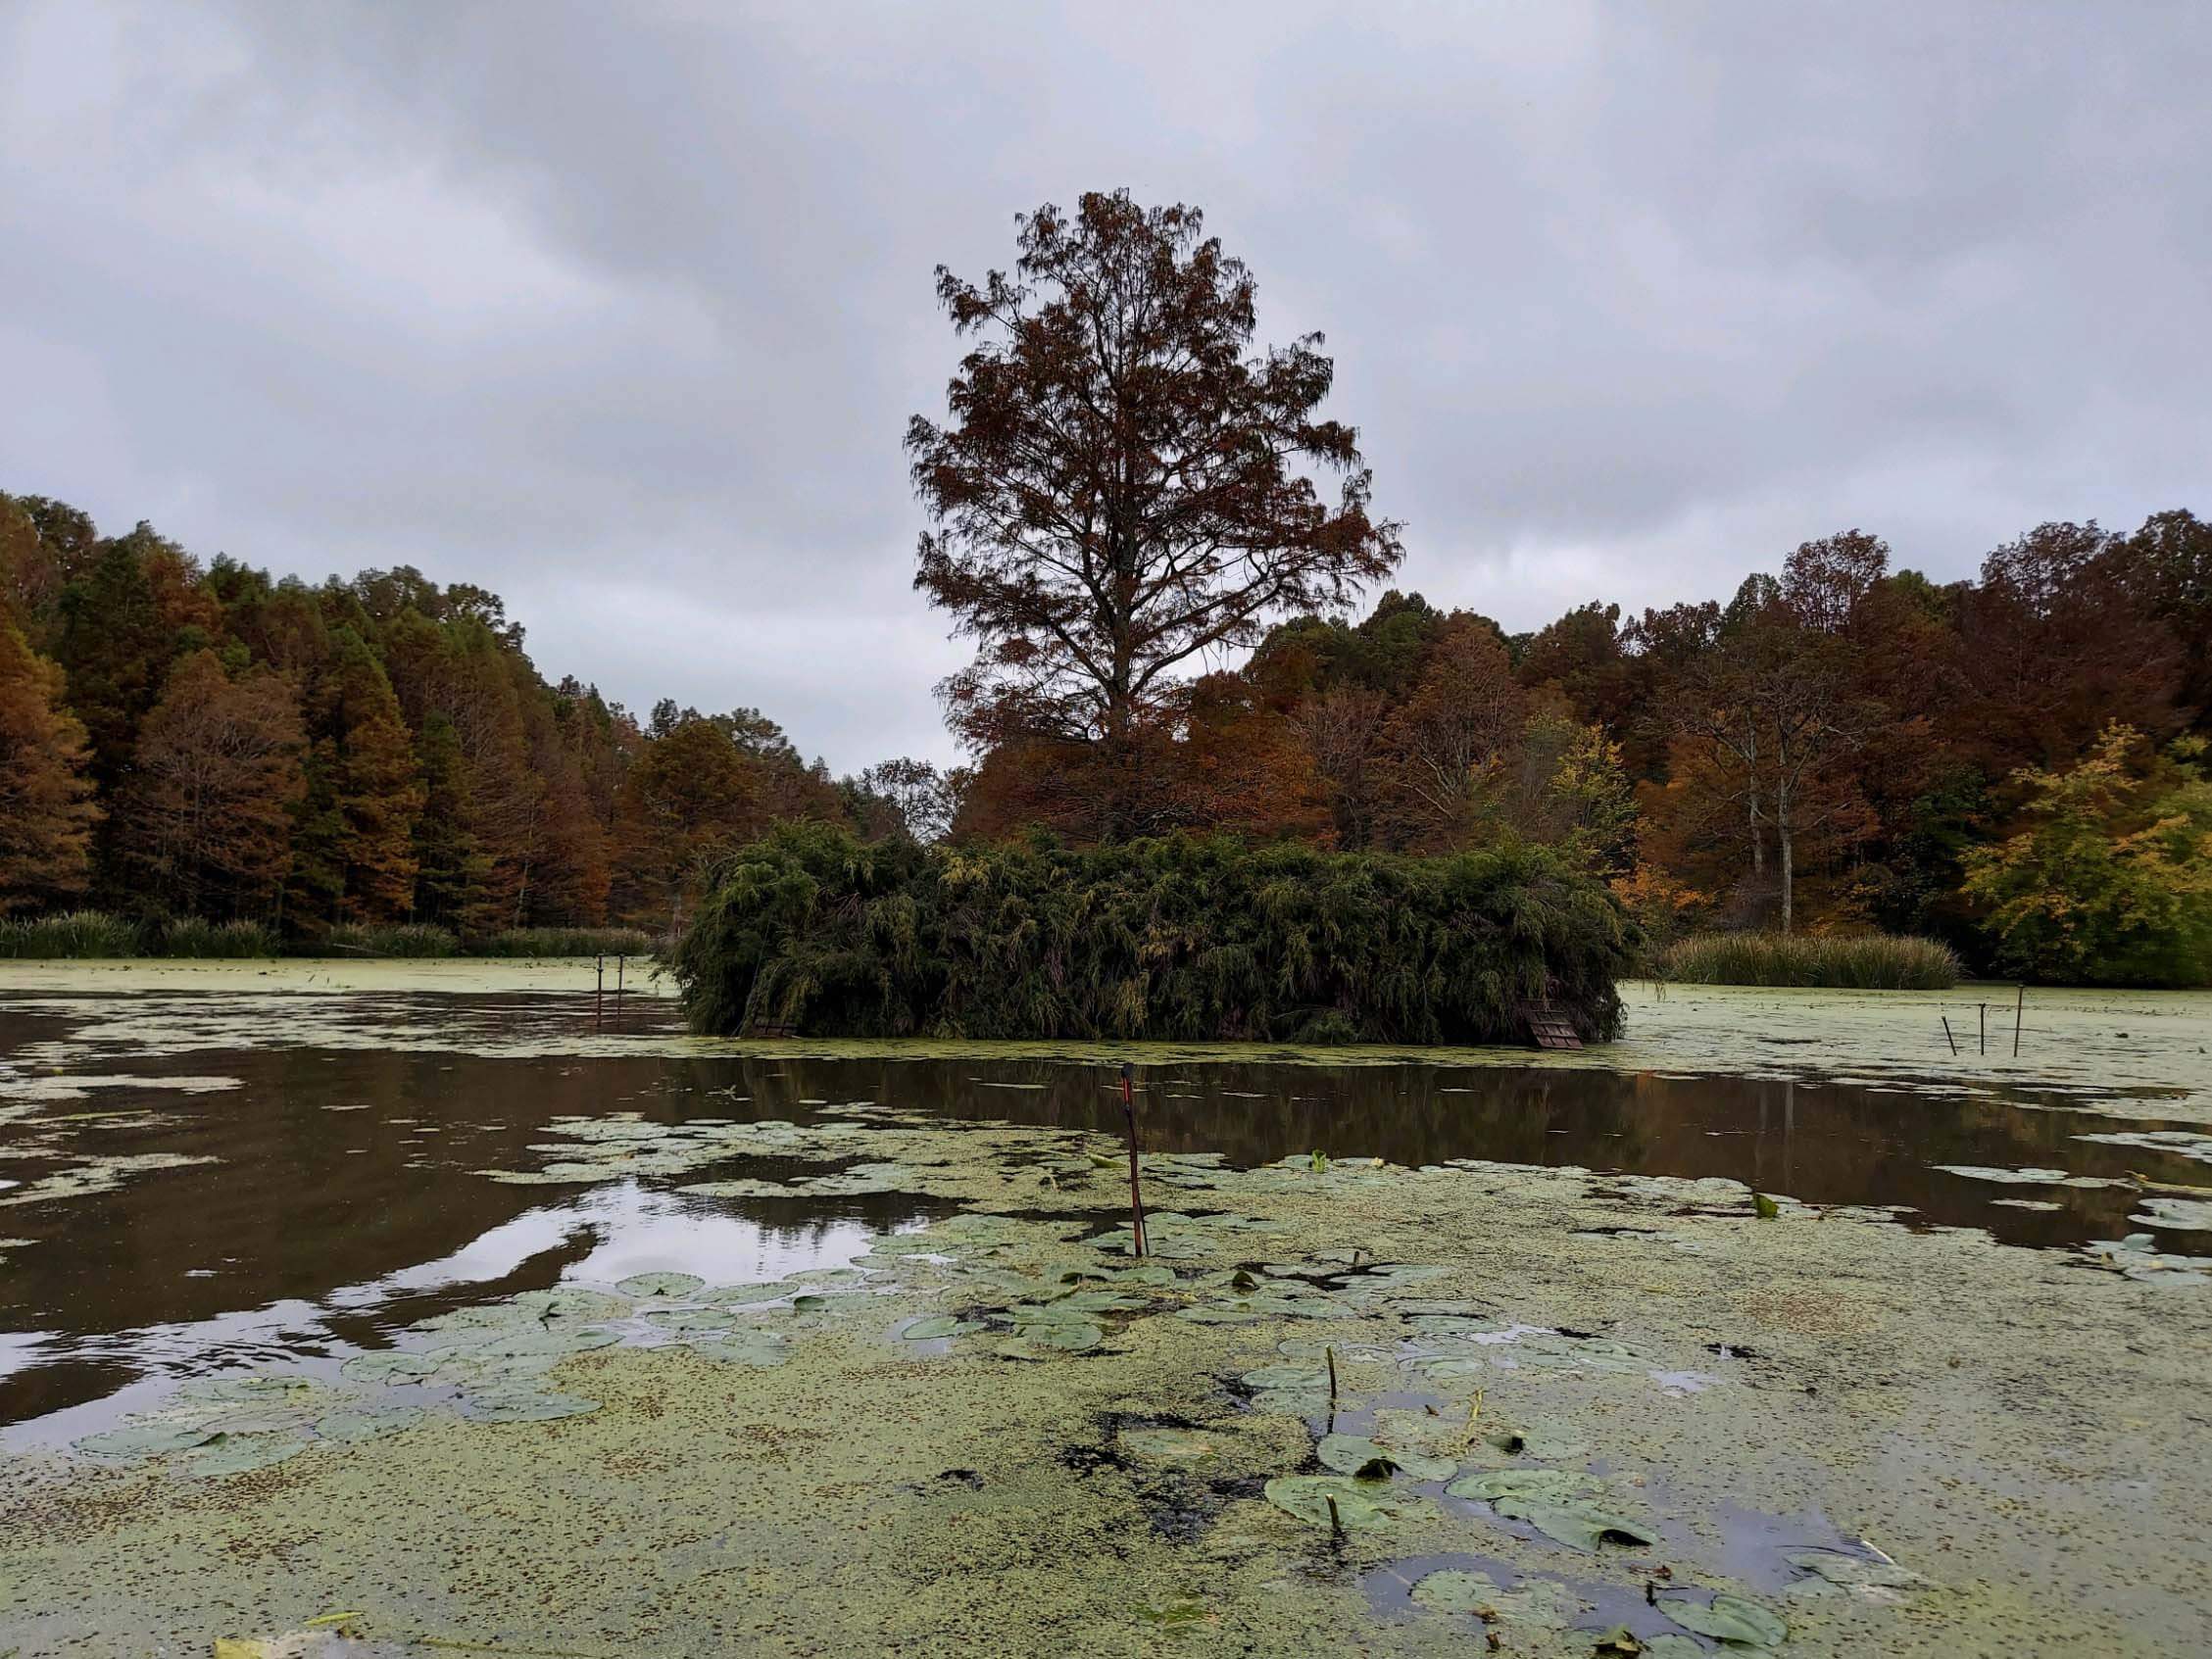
{"points": [[98, 934], [1871, 962], [817, 931]]}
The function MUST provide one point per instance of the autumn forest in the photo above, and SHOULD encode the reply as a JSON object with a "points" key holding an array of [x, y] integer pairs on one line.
{"points": [[1172, 637]]}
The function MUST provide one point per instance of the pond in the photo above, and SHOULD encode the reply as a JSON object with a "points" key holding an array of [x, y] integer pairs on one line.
{"points": [[332, 1192], [1424, 1347]]}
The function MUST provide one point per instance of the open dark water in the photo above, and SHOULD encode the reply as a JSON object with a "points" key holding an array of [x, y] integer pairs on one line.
{"points": [[341, 1201]]}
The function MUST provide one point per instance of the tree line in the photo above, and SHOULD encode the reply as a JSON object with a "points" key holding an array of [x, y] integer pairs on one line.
{"points": [[1126, 513], [180, 738]]}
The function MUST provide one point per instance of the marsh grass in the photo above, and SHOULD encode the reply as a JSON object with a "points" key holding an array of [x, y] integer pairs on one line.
{"points": [[386, 938], [189, 936], [564, 942], [73, 934], [87, 934], [1866, 962]]}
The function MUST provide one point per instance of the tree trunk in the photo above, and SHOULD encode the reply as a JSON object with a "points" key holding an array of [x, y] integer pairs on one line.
{"points": [[1788, 872]]}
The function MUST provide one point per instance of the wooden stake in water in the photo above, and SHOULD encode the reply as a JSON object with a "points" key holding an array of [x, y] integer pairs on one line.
{"points": [[1984, 1010], [2019, 1007], [1136, 1197], [1331, 1352], [1948, 1037]]}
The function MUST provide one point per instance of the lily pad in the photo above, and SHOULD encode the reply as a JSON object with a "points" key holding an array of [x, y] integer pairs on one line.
{"points": [[525, 1406], [660, 1285], [2189, 1215], [389, 1365], [1577, 1523], [935, 1326], [1730, 1618], [1488, 1485], [1535, 1601], [237, 1454], [1858, 1573], [144, 1440], [256, 1389], [1359, 1505], [759, 1348], [1350, 1454], [368, 1422], [572, 1301], [691, 1318], [737, 1296]]}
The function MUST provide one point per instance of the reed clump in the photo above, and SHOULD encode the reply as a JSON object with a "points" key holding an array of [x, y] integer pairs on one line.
{"points": [[1176, 939], [69, 935], [564, 942], [1841, 962]]}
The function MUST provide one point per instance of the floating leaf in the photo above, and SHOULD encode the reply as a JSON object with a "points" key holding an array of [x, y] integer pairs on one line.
{"points": [[572, 1301], [659, 1285], [1577, 1523], [935, 1326], [237, 1454], [391, 1365], [727, 1295], [1488, 1485], [1061, 1336], [1360, 1505], [1453, 1590], [691, 1318], [760, 1348], [1730, 1619], [1350, 1454], [145, 1439], [525, 1406], [368, 1422], [1765, 1208], [250, 1389], [1539, 1602]]}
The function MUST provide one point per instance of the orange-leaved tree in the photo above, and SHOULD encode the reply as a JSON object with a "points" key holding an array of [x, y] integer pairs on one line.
{"points": [[46, 809]]}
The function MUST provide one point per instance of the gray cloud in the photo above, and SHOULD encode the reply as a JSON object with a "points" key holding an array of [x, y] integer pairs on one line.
{"points": [[622, 311]]}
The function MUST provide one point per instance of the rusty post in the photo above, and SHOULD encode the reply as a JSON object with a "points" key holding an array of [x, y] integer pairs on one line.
{"points": [[1136, 1197]]}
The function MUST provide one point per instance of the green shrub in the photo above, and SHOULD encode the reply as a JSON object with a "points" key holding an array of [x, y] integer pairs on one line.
{"points": [[189, 936], [564, 942], [388, 939], [72, 934], [1871, 962], [2110, 880], [1173, 939]]}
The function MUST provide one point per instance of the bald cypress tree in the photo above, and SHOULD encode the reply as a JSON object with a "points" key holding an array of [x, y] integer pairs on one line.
{"points": [[46, 809]]}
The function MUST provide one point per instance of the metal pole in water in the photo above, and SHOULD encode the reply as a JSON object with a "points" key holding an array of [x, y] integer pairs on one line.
{"points": [[2019, 1007], [1948, 1037], [1983, 1010], [1136, 1197]]}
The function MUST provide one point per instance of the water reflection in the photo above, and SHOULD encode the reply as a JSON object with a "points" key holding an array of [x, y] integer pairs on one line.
{"points": [[602, 1235], [342, 1195]]}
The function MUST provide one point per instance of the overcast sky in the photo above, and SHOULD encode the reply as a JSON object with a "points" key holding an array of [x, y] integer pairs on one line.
{"points": [[622, 309]]}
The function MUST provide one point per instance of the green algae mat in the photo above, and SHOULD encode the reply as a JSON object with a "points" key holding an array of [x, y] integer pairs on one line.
{"points": [[687, 1361]]}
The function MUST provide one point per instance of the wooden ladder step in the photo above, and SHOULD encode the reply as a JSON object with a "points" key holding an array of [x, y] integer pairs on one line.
{"points": [[1548, 1025]]}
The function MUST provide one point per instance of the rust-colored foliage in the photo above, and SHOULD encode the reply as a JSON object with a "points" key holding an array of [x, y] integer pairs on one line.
{"points": [[205, 822], [46, 809], [1124, 482]]}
